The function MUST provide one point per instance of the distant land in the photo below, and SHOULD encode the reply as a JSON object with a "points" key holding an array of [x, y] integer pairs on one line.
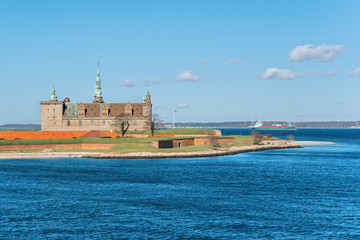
{"points": [[246, 124], [243, 124], [20, 126]]}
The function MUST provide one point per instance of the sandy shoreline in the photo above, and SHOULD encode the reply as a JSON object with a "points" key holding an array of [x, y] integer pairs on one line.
{"points": [[153, 155], [313, 143]]}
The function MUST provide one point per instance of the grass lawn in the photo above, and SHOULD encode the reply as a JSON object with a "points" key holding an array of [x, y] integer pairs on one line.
{"points": [[181, 131], [125, 145], [80, 140]]}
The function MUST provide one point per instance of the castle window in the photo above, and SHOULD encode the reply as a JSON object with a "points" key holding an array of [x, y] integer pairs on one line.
{"points": [[135, 122], [92, 122], [68, 122], [104, 122], [80, 122]]}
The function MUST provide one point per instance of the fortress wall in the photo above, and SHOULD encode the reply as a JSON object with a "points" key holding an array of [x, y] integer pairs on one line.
{"points": [[207, 141], [89, 146], [183, 142], [9, 135]]}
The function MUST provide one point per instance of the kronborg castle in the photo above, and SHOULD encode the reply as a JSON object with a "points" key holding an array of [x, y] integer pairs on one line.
{"points": [[98, 115]]}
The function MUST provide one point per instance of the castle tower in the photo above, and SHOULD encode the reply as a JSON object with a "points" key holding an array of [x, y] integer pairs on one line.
{"points": [[98, 90], [53, 96], [51, 113], [148, 100], [147, 107]]}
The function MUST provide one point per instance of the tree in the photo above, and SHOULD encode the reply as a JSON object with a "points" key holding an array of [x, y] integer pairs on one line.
{"points": [[156, 122], [121, 124], [257, 137], [269, 135], [123, 128]]}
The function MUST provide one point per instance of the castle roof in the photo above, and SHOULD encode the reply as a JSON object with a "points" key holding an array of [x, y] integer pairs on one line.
{"points": [[94, 109]]}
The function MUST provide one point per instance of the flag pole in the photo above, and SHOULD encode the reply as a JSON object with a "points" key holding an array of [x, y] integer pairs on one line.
{"points": [[174, 118]]}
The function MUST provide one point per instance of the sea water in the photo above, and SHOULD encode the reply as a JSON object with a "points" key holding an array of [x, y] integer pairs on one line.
{"points": [[307, 193]]}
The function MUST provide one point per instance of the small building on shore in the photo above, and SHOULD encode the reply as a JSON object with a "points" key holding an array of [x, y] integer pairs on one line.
{"points": [[185, 142]]}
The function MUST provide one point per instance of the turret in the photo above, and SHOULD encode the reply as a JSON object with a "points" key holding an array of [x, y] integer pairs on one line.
{"points": [[148, 100], [51, 112], [147, 106], [53, 96], [98, 91]]}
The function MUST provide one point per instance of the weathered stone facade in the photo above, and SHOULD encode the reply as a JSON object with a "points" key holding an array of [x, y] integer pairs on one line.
{"points": [[98, 115]]}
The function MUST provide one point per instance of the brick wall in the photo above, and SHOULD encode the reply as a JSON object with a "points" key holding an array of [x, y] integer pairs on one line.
{"points": [[74, 146], [183, 142], [206, 141], [46, 135]]}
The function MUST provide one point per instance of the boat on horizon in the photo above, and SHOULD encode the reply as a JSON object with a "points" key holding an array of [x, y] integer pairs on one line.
{"points": [[259, 126]]}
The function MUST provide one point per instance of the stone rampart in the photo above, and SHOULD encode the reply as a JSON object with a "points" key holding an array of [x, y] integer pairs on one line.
{"points": [[9, 135], [72, 146]]}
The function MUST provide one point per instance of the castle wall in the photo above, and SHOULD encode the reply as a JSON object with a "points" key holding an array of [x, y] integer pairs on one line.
{"points": [[104, 124]]}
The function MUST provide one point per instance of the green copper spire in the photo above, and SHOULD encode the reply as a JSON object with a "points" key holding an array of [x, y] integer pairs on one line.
{"points": [[53, 96], [98, 91]]}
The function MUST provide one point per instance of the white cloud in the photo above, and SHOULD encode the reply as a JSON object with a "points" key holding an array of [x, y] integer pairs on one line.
{"points": [[316, 72], [183, 105], [160, 107], [187, 76], [149, 82], [334, 72], [279, 74], [233, 61], [322, 53], [204, 60], [355, 72], [127, 83]]}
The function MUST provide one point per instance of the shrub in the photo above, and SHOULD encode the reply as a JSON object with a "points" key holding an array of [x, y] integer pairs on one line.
{"points": [[257, 137], [291, 137]]}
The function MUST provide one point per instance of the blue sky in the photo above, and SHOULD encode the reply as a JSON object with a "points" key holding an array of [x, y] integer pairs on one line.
{"points": [[209, 60]]}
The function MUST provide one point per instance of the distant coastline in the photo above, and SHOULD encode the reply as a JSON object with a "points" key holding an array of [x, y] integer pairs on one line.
{"points": [[231, 124]]}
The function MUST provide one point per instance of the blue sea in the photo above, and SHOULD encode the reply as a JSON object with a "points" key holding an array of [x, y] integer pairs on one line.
{"points": [[307, 193]]}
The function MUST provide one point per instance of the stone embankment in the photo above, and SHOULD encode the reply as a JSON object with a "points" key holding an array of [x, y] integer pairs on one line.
{"points": [[209, 153]]}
